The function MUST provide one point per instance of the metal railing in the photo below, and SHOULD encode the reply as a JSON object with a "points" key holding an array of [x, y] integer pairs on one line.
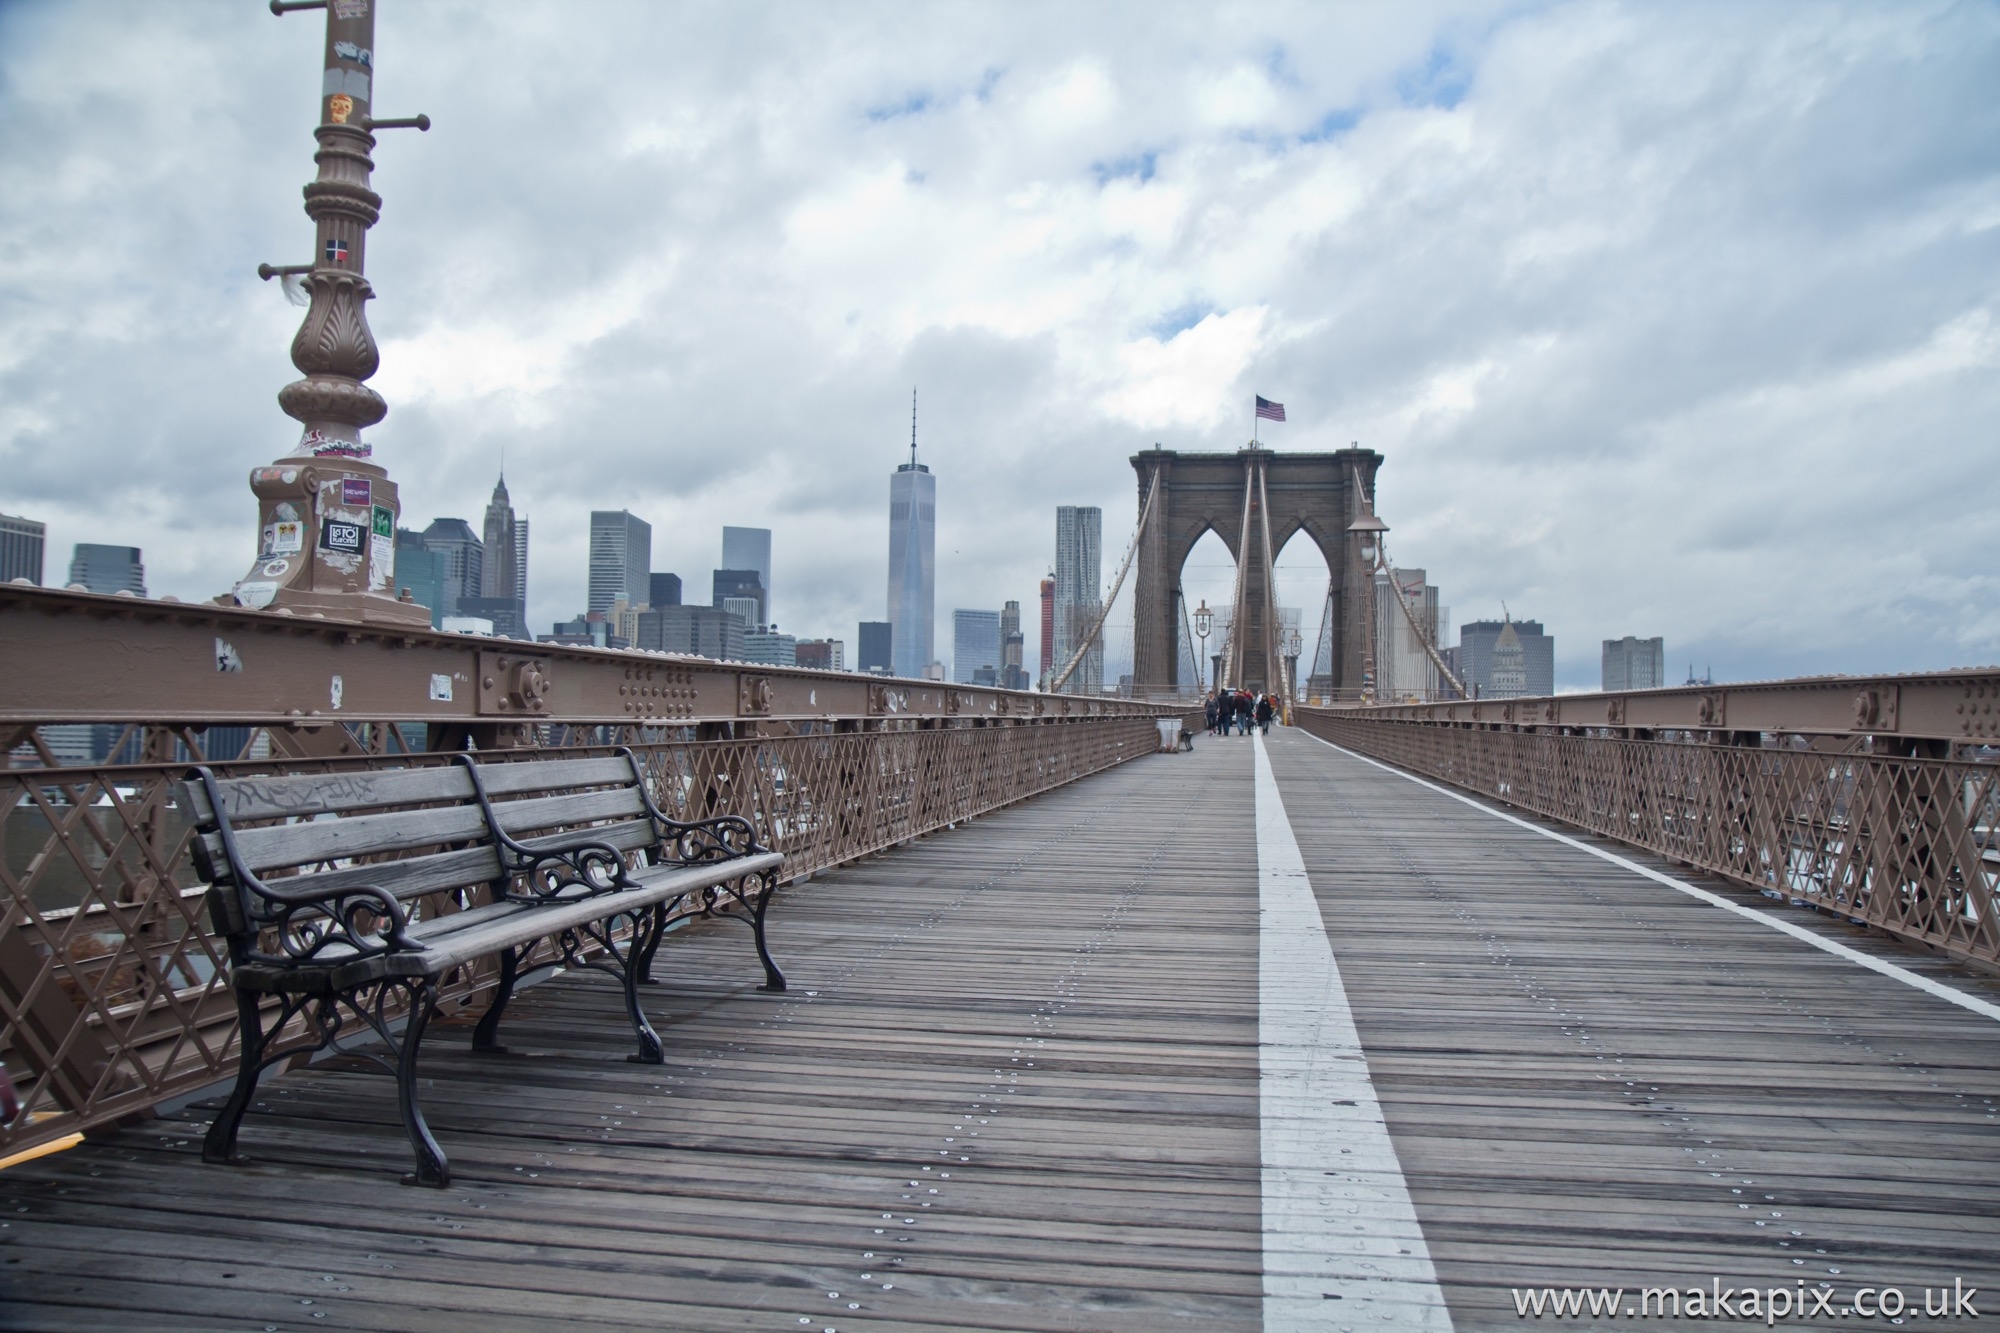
{"points": [[113, 992], [1890, 829]]}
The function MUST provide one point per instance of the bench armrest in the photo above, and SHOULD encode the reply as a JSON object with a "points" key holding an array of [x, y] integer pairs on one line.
{"points": [[308, 922], [722, 838], [550, 874], [546, 874]]}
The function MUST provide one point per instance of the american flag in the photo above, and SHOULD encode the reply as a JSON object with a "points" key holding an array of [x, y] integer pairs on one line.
{"points": [[1269, 410]]}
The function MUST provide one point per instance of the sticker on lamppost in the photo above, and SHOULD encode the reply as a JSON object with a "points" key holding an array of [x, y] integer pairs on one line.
{"points": [[382, 548], [341, 536], [256, 595], [285, 537]]}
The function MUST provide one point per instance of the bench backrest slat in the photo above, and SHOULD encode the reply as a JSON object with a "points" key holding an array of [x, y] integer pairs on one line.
{"points": [[313, 841], [459, 869], [308, 794]]}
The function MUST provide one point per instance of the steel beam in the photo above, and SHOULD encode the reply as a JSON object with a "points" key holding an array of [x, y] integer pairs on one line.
{"points": [[81, 657], [1960, 705]]}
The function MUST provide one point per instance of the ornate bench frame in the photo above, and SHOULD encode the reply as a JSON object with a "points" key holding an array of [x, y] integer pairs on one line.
{"points": [[371, 906]]}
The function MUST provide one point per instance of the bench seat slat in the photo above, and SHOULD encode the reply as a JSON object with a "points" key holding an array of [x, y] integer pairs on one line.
{"points": [[515, 925], [463, 937]]}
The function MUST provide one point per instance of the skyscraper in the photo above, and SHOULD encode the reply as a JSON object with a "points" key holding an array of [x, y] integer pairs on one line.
{"points": [[731, 584], [21, 544], [874, 647], [912, 560], [750, 548], [1403, 668], [1012, 675], [666, 590], [426, 573], [621, 559], [503, 572], [975, 646], [1079, 579], [1477, 641], [108, 568], [1510, 664], [465, 560], [1048, 647], [1634, 664], [521, 567]]}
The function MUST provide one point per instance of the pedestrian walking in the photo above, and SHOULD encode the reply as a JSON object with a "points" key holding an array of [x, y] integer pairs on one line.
{"points": [[1264, 711]]}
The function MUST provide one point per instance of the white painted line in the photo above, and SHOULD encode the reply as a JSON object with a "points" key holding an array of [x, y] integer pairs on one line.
{"points": [[1342, 1248], [1943, 992]]}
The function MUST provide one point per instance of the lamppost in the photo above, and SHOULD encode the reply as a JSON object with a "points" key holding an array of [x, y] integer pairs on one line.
{"points": [[1367, 533], [1294, 641], [1204, 620], [327, 516]]}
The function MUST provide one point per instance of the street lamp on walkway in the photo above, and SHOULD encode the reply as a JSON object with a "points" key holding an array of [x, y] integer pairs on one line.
{"points": [[326, 514], [1204, 620], [1367, 533]]}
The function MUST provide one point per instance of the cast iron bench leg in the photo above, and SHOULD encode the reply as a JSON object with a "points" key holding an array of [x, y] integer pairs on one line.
{"points": [[432, 1168], [643, 958], [646, 929], [484, 1036], [219, 1146], [774, 980]]}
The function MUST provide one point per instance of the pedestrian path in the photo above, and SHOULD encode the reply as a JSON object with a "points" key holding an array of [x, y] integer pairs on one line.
{"points": [[1084, 1064]]}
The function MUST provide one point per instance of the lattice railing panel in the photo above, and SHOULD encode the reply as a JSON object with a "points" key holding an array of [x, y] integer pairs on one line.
{"points": [[113, 990], [1895, 842]]}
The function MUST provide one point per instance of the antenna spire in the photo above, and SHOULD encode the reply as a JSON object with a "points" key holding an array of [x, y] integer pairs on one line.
{"points": [[913, 427]]}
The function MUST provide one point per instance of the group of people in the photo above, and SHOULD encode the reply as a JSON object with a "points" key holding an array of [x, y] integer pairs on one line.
{"points": [[1240, 709]]}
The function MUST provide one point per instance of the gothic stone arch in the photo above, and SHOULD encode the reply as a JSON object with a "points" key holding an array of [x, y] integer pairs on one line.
{"points": [[1313, 492]]}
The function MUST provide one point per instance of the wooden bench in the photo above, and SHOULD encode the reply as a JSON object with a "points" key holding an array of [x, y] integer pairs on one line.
{"points": [[342, 894]]}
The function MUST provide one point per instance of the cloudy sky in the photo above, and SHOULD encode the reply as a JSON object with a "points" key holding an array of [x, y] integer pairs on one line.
{"points": [[1668, 319]]}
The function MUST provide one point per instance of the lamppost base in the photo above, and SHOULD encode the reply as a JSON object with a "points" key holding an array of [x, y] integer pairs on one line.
{"points": [[326, 543]]}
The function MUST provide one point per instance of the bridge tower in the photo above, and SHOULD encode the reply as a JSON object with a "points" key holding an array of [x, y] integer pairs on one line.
{"points": [[1256, 500]]}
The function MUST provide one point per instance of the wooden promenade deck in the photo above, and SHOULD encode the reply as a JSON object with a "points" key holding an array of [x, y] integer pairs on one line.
{"points": [[1015, 1086]]}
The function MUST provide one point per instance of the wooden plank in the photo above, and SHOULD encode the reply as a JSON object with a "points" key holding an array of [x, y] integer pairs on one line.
{"points": [[1593, 1080], [1113, 1183], [304, 795], [1578, 1072], [415, 876], [318, 840]]}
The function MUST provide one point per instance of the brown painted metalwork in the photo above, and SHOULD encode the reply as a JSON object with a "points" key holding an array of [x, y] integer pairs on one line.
{"points": [[1872, 832], [113, 996], [1962, 706], [329, 687]]}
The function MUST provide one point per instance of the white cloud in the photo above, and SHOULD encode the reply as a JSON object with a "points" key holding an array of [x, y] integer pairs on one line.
{"points": [[1667, 321]]}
